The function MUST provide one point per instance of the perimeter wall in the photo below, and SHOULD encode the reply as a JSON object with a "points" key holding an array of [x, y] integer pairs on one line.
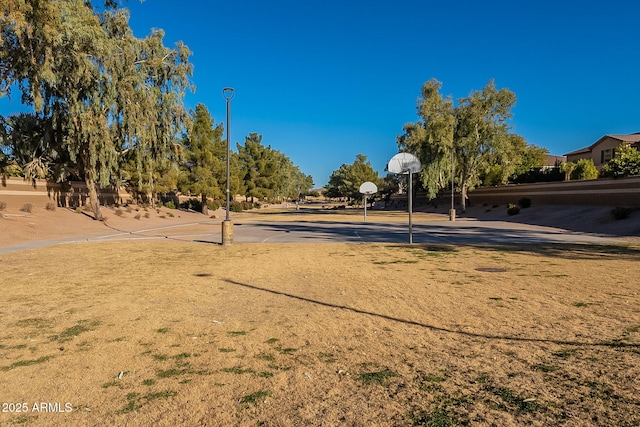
{"points": [[15, 192], [624, 192]]}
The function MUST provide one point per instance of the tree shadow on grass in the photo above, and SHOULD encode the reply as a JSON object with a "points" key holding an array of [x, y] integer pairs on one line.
{"points": [[612, 343]]}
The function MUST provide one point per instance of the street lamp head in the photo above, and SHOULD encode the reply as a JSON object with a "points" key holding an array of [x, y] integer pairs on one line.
{"points": [[228, 93]]}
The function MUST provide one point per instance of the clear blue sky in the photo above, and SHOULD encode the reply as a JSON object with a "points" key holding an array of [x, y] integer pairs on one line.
{"points": [[325, 80]]}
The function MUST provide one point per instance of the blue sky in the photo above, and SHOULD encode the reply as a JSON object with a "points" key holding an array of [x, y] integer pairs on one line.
{"points": [[323, 81]]}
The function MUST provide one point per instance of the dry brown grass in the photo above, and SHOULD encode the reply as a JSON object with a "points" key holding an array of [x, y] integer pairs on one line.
{"points": [[334, 334]]}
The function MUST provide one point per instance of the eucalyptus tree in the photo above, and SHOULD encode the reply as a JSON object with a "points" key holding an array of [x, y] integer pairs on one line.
{"points": [[107, 92], [204, 162], [301, 184], [477, 131], [290, 183], [431, 137], [298, 184]]}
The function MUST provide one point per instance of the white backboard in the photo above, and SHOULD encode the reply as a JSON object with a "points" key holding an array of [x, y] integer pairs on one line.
{"points": [[368, 188], [404, 163]]}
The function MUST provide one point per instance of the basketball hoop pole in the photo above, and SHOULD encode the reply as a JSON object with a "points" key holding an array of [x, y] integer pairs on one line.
{"points": [[365, 207], [406, 163], [410, 207], [367, 188]]}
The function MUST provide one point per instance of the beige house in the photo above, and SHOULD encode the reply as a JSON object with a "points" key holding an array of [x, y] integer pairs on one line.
{"points": [[604, 149]]}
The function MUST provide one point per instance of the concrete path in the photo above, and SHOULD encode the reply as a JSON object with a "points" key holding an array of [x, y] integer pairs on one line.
{"points": [[465, 231]]}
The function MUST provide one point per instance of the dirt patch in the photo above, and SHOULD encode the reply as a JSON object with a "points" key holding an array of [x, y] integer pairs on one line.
{"points": [[141, 333]]}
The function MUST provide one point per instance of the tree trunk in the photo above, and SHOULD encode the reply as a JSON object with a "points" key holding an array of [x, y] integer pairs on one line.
{"points": [[93, 198], [205, 208], [463, 197]]}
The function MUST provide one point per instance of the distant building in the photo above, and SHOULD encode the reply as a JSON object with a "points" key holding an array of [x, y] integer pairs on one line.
{"points": [[604, 149], [552, 161]]}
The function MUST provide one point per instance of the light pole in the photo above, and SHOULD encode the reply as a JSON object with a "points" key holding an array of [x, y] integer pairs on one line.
{"points": [[227, 225], [452, 211]]}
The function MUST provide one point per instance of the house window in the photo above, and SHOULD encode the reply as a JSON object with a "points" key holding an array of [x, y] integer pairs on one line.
{"points": [[606, 155]]}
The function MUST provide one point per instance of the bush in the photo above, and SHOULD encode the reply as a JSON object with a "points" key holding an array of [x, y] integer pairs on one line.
{"points": [[51, 206], [625, 163], [513, 209], [524, 203], [192, 204], [27, 207], [119, 212], [170, 204], [236, 207], [242, 206], [3, 206], [214, 204], [584, 169], [621, 213]]}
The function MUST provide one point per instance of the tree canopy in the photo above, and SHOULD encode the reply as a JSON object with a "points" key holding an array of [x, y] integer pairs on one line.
{"points": [[476, 130], [347, 179], [107, 94], [266, 173]]}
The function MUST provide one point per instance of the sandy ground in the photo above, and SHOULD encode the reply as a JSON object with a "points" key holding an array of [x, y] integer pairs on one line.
{"points": [[176, 333]]}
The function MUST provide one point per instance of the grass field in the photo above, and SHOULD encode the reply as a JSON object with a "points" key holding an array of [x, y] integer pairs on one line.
{"points": [[173, 334]]}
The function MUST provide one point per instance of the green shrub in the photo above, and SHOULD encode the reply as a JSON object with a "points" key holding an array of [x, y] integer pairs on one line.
{"points": [[513, 209], [584, 169], [236, 206], [621, 213], [625, 163], [524, 203], [27, 207], [51, 206], [170, 204]]}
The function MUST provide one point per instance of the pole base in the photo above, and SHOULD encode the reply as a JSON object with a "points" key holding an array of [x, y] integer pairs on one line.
{"points": [[452, 214], [227, 233]]}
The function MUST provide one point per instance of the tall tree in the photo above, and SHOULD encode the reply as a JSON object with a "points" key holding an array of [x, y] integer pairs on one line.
{"points": [[106, 91], [258, 166], [476, 130], [204, 158], [431, 137], [482, 133]]}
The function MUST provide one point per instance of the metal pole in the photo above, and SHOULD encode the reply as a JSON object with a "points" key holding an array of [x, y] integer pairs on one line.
{"points": [[227, 225], [228, 158], [365, 207], [410, 207], [452, 212]]}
